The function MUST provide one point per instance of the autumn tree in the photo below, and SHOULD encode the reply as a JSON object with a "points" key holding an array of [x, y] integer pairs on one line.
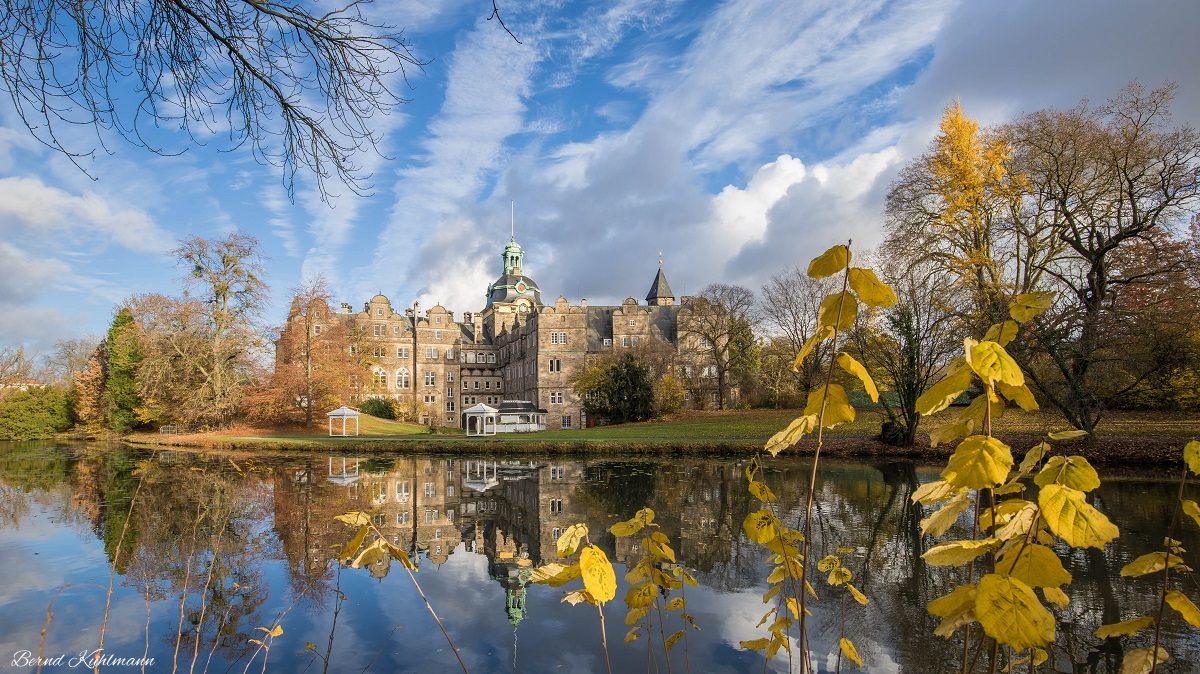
{"points": [[721, 320], [68, 357], [312, 366], [91, 401], [1105, 178]]}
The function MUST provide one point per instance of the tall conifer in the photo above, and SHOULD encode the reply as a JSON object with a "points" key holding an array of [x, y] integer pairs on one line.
{"points": [[124, 355]]}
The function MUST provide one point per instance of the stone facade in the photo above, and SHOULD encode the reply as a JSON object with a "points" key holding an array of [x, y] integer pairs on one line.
{"points": [[516, 348]]}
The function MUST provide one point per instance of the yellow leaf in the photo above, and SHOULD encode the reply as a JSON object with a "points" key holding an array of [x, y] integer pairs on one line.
{"points": [[1179, 601], [761, 492], [639, 572], [957, 553], [1029, 305], [992, 363], [354, 519], [570, 539], [676, 603], [632, 635], [1002, 333], [1150, 563], [1010, 613], [1191, 456], [955, 609], [1019, 525], [370, 554], [950, 432], [940, 395], [641, 595], [823, 333], [839, 576], [401, 556], [770, 594], [837, 405], [1192, 510], [978, 462], [1141, 661], [1032, 457], [847, 363], [858, 596], [636, 614], [1124, 628], [673, 639], [1067, 435], [830, 262], [1071, 518], [870, 289], [354, 544], [628, 527], [1070, 471], [276, 631], [754, 644], [789, 436], [1021, 395], [945, 517], [761, 526], [598, 575], [658, 547], [1034, 565], [843, 302], [1056, 596], [850, 651], [933, 492], [828, 563], [578, 597], [684, 576], [780, 624]]}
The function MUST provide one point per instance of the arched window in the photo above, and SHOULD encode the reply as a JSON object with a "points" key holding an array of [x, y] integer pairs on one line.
{"points": [[379, 379], [402, 378]]}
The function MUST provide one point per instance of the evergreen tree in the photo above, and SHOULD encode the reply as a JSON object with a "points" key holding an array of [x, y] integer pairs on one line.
{"points": [[91, 403], [124, 355]]}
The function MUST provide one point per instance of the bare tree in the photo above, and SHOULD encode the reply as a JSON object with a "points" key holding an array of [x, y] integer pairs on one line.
{"points": [[720, 320], [15, 363], [788, 308], [301, 88], [1111, 177], [69, 356]]}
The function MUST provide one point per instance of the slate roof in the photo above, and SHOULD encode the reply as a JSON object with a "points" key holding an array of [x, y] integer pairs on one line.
{"points": [[660, 288]]}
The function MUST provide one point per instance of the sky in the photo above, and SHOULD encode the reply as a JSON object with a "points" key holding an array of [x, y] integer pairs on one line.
{"points": [[734, 138]]}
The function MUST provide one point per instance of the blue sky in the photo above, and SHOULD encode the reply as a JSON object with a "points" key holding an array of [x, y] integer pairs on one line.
{"points": [[736, 137]]}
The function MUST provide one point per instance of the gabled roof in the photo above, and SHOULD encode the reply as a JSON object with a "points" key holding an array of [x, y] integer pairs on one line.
{"points": [[480, 409], [518, 407], [660, 288], [342, 413]]}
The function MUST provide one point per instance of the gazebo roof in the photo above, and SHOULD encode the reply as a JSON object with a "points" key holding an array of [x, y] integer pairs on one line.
{"points": [[343, 412], [519, 407], [480, 409]]}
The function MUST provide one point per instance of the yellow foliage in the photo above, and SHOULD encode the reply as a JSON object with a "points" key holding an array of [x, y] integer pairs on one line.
{"points": [[1066, 435], [940, 395], [1142, 661], [1191, 456], [1124, 628], [978, 462], [1002, 333], [599, 578], [1072, 519], [838, 311], [1179, 601], [1070, 471], [870, 289], [1011, 614], [850, 651], [858, 595], [945, 517], [852, 366], [1029, 305], [789, 436], [830, 262], [933, 492], [837, 405], [992, 363], [1192, 510], [761, 526], [823, 333], [955, 609], [1057, 596], [957, 553], [1021, 395], [641, 595], [1034, 565], [761, 492], [570, 539], [1150, 563]]}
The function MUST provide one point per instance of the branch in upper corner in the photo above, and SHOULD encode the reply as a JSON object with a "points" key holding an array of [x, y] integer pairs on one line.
{"points": [[496, 15]]}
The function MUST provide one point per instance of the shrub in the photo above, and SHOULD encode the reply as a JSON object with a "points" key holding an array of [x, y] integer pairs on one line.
{"points": [[378, 407]]}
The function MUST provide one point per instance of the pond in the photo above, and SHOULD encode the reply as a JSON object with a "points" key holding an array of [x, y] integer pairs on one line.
{"points": [[260, 534]]}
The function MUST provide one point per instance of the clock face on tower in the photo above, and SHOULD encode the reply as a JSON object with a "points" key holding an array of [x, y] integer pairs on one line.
{"points": [[520, 286]]}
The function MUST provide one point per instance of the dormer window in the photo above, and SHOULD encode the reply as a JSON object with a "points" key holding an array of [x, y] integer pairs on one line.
{"points": [[379, 311]]}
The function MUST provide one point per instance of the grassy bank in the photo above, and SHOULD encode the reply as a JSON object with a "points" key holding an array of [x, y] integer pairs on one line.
{"points": [[1140, 437]]}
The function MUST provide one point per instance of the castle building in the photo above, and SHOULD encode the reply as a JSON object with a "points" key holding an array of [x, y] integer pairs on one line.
{"points": [[518, 348]]}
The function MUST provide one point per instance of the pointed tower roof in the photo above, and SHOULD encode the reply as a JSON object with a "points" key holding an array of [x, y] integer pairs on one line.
{"points": [[660, 290]]}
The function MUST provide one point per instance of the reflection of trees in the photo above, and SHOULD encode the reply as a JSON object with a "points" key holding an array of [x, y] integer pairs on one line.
{"points": [[193, 535]]}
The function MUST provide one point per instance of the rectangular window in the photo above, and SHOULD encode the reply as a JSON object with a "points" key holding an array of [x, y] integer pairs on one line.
{"points": [[556, 397], [702, 342], [632, 323], [403, 518], [476, 384], [430, 379], [635, 340], [625, 341], [498, 387], [487, 384], [316, 329], [556, 505], [554, 338], [437, 334], [464, 384], [402, 490], [450, 514], [449, 377], [377, 352], [431, 353], [566, 421], [430, 515], [607, 341], [430, 399], [430, 489], [379, 330], [449, 492], [450, 406], [395, 329], [555, 365]]}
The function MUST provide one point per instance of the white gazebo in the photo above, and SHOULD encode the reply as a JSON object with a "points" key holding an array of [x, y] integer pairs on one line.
{"points": [[484, 419], [343, 413]]}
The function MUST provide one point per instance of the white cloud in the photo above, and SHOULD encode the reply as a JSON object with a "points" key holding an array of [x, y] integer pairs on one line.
{"points": [[30, 208]]}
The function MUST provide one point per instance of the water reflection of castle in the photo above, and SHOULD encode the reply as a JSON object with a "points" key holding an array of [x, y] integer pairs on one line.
{"points": [[512, 512]]}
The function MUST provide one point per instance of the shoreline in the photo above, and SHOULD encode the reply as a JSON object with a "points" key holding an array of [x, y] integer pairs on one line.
{"points": [[1149, 451]]}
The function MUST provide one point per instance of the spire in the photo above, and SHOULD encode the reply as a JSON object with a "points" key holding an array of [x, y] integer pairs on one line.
{"points": [[660, 294]]}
